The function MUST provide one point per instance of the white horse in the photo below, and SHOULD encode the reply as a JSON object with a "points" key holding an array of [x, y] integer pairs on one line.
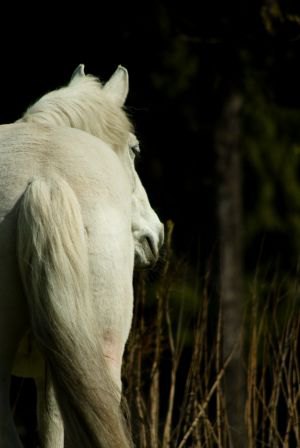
{"points": [[74, 219]]}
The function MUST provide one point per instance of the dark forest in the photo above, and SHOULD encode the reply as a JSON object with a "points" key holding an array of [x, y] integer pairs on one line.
{"points": [[215, 98]]}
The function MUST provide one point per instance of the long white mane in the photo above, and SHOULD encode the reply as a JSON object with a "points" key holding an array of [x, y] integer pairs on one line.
{"points": [[84, 104]]}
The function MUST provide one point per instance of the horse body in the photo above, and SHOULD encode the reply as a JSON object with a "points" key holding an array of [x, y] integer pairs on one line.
{"points": [[105, 206], [74, 218]]}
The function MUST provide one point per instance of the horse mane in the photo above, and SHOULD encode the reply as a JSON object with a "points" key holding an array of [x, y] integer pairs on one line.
{"points": [[83, 104]]}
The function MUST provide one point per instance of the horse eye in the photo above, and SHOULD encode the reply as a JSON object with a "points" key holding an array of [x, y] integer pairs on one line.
{"points": [[135, 149]]}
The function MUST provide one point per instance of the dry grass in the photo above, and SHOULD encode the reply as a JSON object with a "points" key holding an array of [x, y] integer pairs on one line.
{"points": [[174, 383]]}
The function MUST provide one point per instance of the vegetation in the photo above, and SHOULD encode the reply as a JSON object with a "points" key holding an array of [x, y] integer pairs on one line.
{"points": [[174, 368]]}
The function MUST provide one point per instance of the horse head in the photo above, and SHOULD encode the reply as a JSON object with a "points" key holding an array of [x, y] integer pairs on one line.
{"points": [[89, 105], [147, 230]]}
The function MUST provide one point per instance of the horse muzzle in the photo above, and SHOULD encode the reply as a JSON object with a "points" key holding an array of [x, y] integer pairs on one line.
{"points": [[147, 247]]}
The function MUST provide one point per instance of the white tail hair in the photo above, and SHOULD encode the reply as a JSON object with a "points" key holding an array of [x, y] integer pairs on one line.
{"points": [[53, 259]]}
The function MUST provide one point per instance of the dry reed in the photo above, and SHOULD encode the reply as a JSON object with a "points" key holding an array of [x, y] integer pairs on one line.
{"points": [[174, 387]]}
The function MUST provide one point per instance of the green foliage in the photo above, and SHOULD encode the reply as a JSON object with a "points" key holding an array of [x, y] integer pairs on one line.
{"points": [[271, 146], [179, 66]]}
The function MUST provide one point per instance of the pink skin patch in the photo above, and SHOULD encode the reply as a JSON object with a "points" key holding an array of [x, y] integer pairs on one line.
{"points": [[113, 355]]}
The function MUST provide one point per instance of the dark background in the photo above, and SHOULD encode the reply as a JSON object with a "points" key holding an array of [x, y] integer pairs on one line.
{"points": [[183, 59]]}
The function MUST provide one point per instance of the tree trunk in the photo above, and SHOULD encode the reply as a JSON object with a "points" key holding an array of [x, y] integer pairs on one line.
{"points": [[229, 216]]}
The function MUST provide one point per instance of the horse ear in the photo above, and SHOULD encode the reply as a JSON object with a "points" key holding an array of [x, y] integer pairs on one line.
{"points": [[117, 86], [78, 72]]}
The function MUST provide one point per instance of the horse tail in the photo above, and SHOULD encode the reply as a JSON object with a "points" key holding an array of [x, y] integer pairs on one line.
{"points": [[53, 260]]}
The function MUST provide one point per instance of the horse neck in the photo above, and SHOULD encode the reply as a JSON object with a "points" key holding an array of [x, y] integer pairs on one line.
{"points": [[106, 122]]}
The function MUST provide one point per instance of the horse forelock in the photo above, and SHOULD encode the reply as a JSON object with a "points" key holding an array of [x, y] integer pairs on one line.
{"points": [[85, 105]]}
